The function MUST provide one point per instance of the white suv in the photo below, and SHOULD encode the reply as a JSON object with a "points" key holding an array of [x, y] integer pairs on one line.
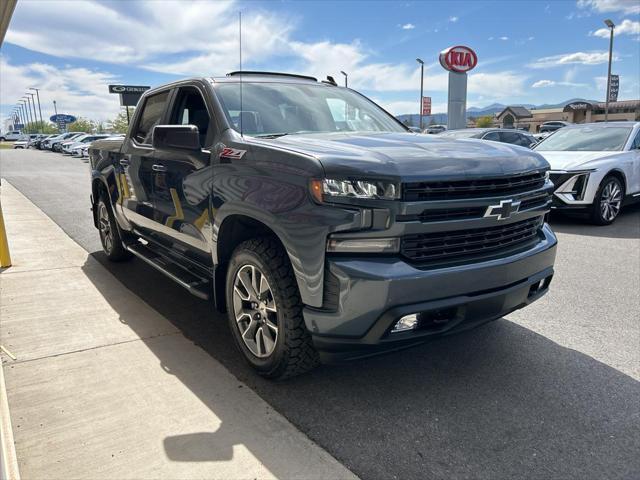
{"points": [[10, 136]]}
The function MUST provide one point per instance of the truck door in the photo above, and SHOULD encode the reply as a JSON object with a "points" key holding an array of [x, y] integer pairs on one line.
{"points": [[182, 180], [135, 166]]}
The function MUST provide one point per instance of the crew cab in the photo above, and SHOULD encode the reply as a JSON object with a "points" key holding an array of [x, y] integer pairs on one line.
{"points": [[318, 222]]}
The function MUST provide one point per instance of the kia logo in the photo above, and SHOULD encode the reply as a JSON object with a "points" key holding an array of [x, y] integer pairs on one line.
{"points": [[502, 211], [458, 59]]}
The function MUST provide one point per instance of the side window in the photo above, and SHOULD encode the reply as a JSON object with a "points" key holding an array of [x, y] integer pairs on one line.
{"points": [[636, 143], [190, 109], [152, 111], [493, 136], [510, 137]]}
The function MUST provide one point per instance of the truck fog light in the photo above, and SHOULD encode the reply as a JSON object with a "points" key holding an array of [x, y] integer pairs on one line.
{"points": [[408, 322], [363, 245]]}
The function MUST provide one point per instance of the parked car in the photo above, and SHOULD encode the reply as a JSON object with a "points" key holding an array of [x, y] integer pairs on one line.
{"points": [[56, 144], [515, 137], [435, 129], [25, 140], [38, 142], [552, 126], [595, 168], [69, 144], [325, 238], [414, 129], [48, 143], [10, 136]]}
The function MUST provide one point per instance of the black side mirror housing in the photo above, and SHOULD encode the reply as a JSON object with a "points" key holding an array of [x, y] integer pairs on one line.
{"points": [[176, 137]]}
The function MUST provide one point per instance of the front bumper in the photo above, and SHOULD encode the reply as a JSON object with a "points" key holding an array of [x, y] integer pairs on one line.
{"points": [[373, 293]]}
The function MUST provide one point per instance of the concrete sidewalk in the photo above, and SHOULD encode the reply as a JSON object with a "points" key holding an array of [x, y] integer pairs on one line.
{"points": [[105, 387]]}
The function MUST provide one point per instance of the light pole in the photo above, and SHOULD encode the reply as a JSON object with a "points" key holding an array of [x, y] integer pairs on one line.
{"points": [[25, 119], [55, 109], [39, 109], [421, 88], [346, 82], [35, 114], [29, 111], [611, 26]]}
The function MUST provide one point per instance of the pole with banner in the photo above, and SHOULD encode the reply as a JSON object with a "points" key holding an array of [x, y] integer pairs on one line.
{"points": [[426, 106], [614, 88]]}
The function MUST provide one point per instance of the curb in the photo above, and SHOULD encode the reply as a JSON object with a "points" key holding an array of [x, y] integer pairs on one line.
{"points": [[8, 459]]}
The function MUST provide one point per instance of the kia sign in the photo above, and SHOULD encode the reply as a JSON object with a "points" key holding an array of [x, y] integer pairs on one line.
{"points": [[129, 94], [458, 59], [62, 118], [426, 105]]}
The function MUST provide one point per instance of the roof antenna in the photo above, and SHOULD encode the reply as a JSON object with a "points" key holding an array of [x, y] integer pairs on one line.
{"points": [[240, 43]]}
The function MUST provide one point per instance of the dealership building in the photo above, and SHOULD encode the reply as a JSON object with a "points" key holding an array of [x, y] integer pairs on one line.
{"points": [[575, 112]]}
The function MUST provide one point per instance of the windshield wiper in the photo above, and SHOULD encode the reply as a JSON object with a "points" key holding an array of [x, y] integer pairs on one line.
{"points": [[271, 135]]}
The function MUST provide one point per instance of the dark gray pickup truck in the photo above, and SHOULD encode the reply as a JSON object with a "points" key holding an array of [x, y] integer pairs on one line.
{"points": [[324, 228]]}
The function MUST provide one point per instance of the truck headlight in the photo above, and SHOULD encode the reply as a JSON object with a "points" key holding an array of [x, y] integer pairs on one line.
{"points": [[342, 188]]}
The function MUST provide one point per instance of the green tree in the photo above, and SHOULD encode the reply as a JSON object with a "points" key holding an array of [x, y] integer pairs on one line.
{"points": [[37, 127], [81, 125], [484, 122], [120, 123]]}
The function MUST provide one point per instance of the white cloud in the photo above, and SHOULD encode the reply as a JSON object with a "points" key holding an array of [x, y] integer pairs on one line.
{"points": [[204, 34], [583, 58], [627, 27], [408, 26], [531, 38], [553, 83], [543, 83], [504, 38], [77, 91], [453, 19], [603, 6]]}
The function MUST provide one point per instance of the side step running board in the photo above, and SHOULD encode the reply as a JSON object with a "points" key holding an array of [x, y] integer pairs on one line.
{"points": [[195, 284]]}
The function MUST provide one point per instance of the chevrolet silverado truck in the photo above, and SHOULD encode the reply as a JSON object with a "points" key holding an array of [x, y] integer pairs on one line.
{"points": [[318, 222]]}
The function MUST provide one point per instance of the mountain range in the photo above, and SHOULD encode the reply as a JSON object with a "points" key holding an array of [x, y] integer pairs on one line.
{"points": [[441, 118]]}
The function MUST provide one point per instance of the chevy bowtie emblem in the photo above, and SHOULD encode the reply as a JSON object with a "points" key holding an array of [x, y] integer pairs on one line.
{"points": [[504, 210]]}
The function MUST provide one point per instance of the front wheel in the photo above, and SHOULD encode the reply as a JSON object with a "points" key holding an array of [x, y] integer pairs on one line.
{"points": [[265, 310], [608, 201]]}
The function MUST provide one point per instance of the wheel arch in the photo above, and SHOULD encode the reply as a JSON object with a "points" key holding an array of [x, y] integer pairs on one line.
{"points": [[620, 175]]}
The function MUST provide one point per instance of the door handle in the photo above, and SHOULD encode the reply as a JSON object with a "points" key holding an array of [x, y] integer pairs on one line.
{"points": [[124, 163], [158, 168]]}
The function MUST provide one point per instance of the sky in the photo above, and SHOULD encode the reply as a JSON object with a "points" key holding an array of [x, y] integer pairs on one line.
{"points": [[529, 52]]}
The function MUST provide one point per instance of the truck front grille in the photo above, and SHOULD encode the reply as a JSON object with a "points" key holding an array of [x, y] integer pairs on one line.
{"points": [[459, 189], [463, 244]]}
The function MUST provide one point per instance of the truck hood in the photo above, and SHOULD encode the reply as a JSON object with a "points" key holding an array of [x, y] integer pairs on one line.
{"points": [[409, 157], [574, 160]]}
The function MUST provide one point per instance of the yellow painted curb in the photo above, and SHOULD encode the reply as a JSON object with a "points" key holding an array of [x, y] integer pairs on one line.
{"points": [[5, 258]]}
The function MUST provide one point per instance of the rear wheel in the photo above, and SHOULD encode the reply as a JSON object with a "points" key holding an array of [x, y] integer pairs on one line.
{"points": [[110, 237], [265, 310], [608, 201]]}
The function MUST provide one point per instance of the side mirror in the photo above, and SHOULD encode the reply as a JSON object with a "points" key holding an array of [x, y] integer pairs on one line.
{"points": [[176, 137]]}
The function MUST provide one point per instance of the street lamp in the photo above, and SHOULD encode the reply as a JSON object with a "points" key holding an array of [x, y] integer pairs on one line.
{"points": [[29, 111], [35, 115], [346, 83], [611, 26], [39, 109], [421, 88], [24, 114]]}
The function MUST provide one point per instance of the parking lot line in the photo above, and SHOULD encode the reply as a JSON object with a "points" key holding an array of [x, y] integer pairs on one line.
{"points": [[103, 386]]}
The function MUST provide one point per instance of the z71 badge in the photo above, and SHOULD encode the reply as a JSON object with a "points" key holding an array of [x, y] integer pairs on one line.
{"points": [[232, 153]]}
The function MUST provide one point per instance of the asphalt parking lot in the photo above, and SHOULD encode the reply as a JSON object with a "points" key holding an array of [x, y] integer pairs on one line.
{"points": [[552, 391]]}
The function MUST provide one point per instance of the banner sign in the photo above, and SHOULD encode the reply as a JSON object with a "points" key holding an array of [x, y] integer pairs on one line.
{"points": [[129, 94], [614, 87], [426, 105]]}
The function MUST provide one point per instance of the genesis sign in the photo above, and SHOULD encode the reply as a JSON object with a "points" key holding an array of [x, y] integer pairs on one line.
{"points": [[458, 59]]}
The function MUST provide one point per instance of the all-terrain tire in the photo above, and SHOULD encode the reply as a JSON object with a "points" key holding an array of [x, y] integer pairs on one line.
{"points": [[293, 353]]}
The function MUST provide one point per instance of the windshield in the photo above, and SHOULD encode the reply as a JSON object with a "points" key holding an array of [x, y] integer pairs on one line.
{"points": [[586, 139], [459, 134], [270, 109]]}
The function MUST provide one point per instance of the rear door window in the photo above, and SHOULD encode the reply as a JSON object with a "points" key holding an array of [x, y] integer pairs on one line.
{"points": [[493, 136], [152, 112]]}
